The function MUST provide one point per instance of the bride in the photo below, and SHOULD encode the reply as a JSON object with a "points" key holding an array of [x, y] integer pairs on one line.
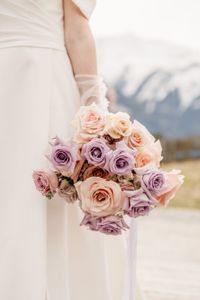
{"points": [[48, 69]]}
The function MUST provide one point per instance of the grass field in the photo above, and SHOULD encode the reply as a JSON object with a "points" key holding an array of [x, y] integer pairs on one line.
{"points": [[189, 194]]}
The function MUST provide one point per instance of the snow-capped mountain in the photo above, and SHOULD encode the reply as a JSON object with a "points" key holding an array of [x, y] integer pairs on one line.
{"points": [[158, 83]]}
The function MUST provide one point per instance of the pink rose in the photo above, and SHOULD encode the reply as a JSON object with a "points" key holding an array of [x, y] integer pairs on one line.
{"points": [[46, 183], [99, 197], [89, 123], [139, 136], [173, 182]]}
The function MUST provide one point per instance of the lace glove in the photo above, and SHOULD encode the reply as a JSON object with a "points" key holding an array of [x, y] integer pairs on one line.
{"points": [[92, 89]]}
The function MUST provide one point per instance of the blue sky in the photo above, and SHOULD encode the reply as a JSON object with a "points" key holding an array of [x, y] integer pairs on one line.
{"points": [[177, 21]]}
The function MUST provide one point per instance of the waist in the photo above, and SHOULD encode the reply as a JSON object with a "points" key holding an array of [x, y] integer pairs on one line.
{"points": [[17, 39]]}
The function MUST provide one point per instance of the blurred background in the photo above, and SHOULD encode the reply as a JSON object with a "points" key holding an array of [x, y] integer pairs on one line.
{"points": [[149, 55]]}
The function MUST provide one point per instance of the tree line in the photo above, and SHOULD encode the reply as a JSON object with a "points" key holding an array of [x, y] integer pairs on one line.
{"points": [[179, 148]]}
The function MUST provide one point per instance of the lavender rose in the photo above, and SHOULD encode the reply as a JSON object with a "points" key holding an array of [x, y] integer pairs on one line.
{"points": [[112, 225], [137, 203], [120, 161], [64, 156], [90, 221], [153, 181], [95, 151]]}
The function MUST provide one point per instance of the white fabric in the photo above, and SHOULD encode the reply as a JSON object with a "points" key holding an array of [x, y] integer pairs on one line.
{"points": [[86, 6], [44, 253]]}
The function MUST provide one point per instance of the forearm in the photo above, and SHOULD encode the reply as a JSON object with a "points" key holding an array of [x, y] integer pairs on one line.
{"points": [[81, 49], [82, 53]]}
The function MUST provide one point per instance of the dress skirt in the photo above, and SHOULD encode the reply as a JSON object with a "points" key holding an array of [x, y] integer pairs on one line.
{"points": [[44, 253]]}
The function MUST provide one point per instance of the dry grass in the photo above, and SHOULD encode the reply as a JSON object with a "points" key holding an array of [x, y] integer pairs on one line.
{"points": [[189, 194]]}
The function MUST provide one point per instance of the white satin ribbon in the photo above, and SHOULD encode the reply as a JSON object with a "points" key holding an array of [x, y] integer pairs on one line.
{"points": [[131, 248]]}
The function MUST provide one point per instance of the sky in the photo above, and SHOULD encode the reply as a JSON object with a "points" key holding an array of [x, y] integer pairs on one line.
{"points": [[176, 21]]}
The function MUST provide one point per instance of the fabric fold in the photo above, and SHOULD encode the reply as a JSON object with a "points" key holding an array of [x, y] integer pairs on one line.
{"points": [[86, 6]]}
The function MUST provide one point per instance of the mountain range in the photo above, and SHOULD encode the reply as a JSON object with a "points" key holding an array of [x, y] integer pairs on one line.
{"points": [[158, 83]]}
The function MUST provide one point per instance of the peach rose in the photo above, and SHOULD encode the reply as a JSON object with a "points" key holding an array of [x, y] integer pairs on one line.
{"points": [[118, 125], [173, 182], [99, 197], [147, 154], [89, 123], [143, 157], [139, 136]]}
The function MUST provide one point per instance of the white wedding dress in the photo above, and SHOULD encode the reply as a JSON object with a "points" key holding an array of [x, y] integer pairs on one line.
{"points": [[44, 253]]}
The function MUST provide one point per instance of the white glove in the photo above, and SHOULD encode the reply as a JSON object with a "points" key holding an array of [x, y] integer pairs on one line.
{"points": [[92, 89]]}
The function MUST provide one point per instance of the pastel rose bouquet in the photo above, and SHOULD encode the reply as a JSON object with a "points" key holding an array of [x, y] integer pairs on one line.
{"points": [[111, 166]]}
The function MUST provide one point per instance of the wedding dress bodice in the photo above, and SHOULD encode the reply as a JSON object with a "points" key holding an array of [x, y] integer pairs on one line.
{"points": [[35, 22]]}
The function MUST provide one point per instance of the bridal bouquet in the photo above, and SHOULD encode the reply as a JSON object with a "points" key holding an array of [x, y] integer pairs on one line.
{"points": [[111, 166]]}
